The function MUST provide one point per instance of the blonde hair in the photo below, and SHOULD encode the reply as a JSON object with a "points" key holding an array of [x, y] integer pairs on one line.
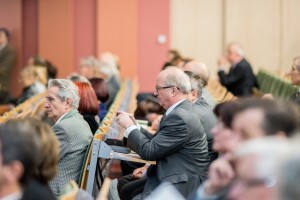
{"points": [[46, 168]]}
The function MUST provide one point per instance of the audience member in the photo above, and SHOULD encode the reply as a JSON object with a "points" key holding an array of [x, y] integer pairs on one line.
{"points": [[240, 80], [88, 66], [202, 71], [113, 61], [180, 138], [295, 71], [268, 118], [46, 168], [203, 111], [295, 76], [173, 58], [7, 62], [40, 62], [19, 158], [148, 109], [72, 131], [88, 105], [106, 72], [256, 164], [101, 90], [30, 83]]}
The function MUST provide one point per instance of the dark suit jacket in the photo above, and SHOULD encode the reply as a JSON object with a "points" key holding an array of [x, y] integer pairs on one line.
{"points": [[179, 148], [91, 120], [208, 120], [36, 190], [240, 79], [74, 135], [7, 62]]}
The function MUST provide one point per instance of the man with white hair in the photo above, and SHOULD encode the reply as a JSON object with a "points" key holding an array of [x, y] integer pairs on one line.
{"points": [[179, 145], [240, 80], [72, 131]]}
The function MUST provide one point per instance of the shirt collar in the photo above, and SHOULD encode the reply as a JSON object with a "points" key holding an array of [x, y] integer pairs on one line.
{"points": [[173, 106], [61, 117]]}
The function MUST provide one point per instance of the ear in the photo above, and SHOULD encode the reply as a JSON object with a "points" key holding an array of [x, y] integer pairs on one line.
{"points": [[15, 171], [69, 102]]}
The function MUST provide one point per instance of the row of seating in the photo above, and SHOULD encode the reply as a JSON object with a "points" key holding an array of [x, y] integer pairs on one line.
{"points": [[278, 87], [219, 92], [31, 107], [125, 101]]}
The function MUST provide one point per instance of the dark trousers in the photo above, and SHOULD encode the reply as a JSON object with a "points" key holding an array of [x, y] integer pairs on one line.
{"points": [[129, 187]]}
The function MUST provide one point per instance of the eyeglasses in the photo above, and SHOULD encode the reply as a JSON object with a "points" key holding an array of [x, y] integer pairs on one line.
{"points": [[162, 88], [267, 182]]}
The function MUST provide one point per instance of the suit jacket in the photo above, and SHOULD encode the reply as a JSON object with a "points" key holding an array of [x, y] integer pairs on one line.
{"points": [[74, 135], [7, 62], [179, 148], [240, 79], [91, 120], [36, 190], [208, 98], [208, 120]]}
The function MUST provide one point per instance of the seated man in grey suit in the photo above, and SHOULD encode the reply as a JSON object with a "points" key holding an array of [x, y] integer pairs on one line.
{"points": [[179, 146], [72, 131], [202, 109]]}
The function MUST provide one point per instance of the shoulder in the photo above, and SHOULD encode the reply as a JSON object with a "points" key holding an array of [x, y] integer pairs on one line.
{"points": [[184, 111], [244, 63]]}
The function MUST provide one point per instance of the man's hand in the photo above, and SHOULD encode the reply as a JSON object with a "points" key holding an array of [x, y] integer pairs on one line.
{"points": [[139, 172], [220, 175], [156, 122], [125, 119], [222, 62]]}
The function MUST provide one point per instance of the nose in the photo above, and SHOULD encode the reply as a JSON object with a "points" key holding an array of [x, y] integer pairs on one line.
{"points": [[155, 93], [46, 105]]}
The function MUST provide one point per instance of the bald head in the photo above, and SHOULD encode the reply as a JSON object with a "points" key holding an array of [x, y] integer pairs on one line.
{"points": [[176, 77], [172, 85], [198, 68]]}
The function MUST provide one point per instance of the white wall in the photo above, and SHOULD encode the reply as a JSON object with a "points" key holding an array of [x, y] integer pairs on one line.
{"points": [[268, 30]]}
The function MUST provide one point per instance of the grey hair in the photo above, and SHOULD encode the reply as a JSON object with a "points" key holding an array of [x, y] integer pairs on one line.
{"points": [[105, 68], [66, 89], [237, 48], [198, 68], [89, 61], [269, 151], [196, 82], [296, 61], [178, 78]]}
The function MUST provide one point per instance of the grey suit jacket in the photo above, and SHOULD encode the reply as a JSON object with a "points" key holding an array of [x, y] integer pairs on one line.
{"points": [[208, 120], [179, 148], [208, 98], [74, 135]]}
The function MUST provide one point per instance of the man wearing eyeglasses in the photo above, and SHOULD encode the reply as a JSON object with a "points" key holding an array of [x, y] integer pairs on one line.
{"points": [[179, 145]]}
